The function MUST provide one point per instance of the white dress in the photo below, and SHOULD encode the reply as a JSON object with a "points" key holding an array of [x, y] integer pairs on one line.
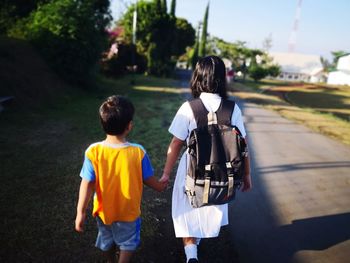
{"points": [[205, 221]]}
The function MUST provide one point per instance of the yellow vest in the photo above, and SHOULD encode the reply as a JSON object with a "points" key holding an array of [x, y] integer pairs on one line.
{"points": [[118, 183]]}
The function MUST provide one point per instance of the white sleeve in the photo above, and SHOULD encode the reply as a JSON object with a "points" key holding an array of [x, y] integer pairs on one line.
{"points": [[237, 120], [181, 122]]}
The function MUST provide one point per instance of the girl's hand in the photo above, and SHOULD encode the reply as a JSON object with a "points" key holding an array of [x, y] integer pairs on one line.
{"points": [[164, 178], [247, 183]]}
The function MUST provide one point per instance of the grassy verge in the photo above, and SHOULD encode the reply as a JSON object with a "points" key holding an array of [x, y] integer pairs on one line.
{"points": [[324, 109], [41, 156]]}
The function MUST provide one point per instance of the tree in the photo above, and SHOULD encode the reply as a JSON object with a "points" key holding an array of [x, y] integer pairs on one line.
{"points": [[274, 70], [257, 72], [173, 8], [336, 55], [326, 65], [164, 7], [159, 5], [71, 35], [160, 37], [193, 56], [201, 51], [12, 11], [184, 36]]}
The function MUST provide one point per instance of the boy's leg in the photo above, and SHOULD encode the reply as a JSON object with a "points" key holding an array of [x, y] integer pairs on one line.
{"points": [[105, 241], [111, 255], [125, 256], [127, 237]]}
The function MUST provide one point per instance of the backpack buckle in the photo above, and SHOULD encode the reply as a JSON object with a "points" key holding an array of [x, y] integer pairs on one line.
{"points": [[206, 190]]}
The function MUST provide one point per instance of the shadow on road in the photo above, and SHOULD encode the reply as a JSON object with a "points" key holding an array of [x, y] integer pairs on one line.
{"points": [[301, 166], [257, 230]]}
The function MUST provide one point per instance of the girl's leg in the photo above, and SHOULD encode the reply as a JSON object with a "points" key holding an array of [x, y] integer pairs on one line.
{"points": [[125, 256], [190, 246]]}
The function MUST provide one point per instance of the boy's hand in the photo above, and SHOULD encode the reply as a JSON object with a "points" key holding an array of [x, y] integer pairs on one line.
{"points": [[79, 222], [155, 184]]}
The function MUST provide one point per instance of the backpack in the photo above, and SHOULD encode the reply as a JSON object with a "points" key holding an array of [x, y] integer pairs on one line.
{"points": [[216, 150]]}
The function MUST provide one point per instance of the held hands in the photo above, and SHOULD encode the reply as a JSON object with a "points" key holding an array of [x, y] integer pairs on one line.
{"points": [[164, 181], [165, 178]]}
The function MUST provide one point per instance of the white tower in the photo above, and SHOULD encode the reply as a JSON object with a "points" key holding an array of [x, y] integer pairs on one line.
{"points": [[293, 35]]}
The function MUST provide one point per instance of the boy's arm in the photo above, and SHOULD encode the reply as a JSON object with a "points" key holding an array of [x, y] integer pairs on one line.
{"points": [[155, 184], [173, 153], [85, 193]]}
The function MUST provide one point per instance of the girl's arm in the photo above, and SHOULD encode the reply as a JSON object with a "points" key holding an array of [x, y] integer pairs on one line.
{"points": [[247, 181], [172, 155], [85, 193]]}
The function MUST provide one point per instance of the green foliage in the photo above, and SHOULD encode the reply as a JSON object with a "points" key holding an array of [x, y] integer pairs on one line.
{"points": [[184, 36], [123, 62], [71, 35], [11, 11], [173, 8], [274, 70], [193, 55], [257, 72], [337, 54], [164, 7], [332, 66], [202, 51], [160, 37]]}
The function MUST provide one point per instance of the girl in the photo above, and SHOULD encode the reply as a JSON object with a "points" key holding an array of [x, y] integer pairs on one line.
{"points": [[191, 224]]}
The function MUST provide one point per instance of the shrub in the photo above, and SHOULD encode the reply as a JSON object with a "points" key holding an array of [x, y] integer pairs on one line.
{"points": [[71, 35]]}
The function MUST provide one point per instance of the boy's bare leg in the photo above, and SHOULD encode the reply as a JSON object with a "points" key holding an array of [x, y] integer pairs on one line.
{"points": [[111, 255], [125, 256]]}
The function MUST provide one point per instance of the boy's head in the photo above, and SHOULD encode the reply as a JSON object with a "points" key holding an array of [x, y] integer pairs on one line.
{"points": [[115, 114]]}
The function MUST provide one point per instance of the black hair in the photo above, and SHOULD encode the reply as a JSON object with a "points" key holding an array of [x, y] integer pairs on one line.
{"points": [[115, 114], [209, 76]]}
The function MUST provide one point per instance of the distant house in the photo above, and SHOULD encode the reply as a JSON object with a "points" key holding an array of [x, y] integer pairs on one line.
{"points": [[342, 75], [298, 67]]}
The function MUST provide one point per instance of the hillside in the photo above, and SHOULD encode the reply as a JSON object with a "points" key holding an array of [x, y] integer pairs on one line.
{"points": [[25, 75]]}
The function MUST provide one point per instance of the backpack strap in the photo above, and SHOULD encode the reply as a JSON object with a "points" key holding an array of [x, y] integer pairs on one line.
{"points": [[225, 111], [200, 113]]}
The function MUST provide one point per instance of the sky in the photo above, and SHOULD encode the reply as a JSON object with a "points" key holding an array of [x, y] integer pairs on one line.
{"points": [[323, 25]]}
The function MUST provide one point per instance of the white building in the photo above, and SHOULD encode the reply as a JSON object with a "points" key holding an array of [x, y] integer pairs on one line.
{"points": [[298, 67], [342, 75]]}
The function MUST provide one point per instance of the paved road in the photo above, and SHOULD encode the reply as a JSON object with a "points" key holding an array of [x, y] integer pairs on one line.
{"points": [[299, 208]]}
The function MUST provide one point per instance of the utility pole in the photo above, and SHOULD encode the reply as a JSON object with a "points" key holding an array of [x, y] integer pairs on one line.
{"points": [[134, 26]]}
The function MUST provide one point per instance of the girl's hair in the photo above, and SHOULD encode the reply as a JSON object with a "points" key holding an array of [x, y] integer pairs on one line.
{"points": [[115, 114], [209, 76]]}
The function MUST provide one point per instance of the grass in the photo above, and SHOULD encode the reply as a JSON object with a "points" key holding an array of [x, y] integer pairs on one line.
{"points": [[41, 156], [323, 108]]}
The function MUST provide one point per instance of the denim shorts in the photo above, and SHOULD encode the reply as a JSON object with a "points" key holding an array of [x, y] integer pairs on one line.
{"points": [[126, 235]]}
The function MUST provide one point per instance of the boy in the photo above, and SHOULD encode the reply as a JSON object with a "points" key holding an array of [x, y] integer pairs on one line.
{"points": [[115, 169]]}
